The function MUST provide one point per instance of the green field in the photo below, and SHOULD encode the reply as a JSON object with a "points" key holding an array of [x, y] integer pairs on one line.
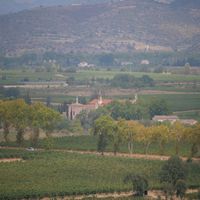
{"points": [[16, 76], [50, 173], [57, 174], [87, 74], [189, 115], [175, 88], [176, 102]]}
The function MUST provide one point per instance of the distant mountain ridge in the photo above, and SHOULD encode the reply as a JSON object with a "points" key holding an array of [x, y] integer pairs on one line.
{"points": [[12, 6], [122, 26]]}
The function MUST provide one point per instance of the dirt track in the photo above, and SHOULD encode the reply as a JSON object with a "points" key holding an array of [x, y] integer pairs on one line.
{"points": [[152, 194], [10, 160]]}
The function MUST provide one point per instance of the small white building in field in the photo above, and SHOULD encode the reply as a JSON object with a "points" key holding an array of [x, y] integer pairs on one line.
{"points": [[84, 65], [145, 62], [163, 118]]}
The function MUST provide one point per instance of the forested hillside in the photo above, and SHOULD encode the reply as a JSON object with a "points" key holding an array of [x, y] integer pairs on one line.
{"points": [[125, 26]]}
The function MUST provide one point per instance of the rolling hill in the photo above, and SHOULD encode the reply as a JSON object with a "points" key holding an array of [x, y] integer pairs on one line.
{"points": [[11, 6], [124, 26]]}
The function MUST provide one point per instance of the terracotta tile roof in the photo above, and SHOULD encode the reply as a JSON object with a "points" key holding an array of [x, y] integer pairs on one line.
{"points": [[103, 103], [94, 101]]}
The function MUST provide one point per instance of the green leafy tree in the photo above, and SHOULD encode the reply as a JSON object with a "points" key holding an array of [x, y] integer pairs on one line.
{"points": [[42, 117], [115, 137], [12, 93], [172, 171], [129, 81], [126, 111], [102, 143], [36, 121], [82, 100], [71, 80], [84, 119], [181, 188], [48, 101], [20, 116], [48, 143], [50, 119], [192, 134], [139, 183], [116, 110], [158, 107], [147, 81], [27, 98], [76, 127], [104, 127], [95, 114]]}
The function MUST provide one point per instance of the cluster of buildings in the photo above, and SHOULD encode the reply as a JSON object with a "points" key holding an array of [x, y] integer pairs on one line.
{"points": [[75, 108]]}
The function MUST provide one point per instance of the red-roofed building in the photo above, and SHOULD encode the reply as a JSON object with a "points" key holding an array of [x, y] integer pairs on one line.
{"points": [[102, 102], [75, 108]]}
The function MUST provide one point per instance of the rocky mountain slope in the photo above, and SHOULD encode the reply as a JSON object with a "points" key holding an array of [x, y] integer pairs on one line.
{"points": [[124, 26]]}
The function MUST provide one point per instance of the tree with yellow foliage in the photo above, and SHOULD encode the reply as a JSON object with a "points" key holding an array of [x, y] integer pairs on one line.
{"points": [[146, 136], [161, 135], [129, 131], [19, 115], [193, 136], [177, 132], [105, 127], [5, 118]]}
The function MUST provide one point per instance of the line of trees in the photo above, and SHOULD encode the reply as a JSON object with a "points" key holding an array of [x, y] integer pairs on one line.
{"points": [[18, 115], [125, 110], [129, 81], [11, 93], [129, 132], [104, 59]]}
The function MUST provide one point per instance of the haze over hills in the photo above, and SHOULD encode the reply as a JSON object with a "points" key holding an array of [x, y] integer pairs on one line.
{"points": [[10, 6], [124, 26]]}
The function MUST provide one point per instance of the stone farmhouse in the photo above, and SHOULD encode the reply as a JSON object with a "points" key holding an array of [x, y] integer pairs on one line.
{"points": [[172, 119], [75, 108]]}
